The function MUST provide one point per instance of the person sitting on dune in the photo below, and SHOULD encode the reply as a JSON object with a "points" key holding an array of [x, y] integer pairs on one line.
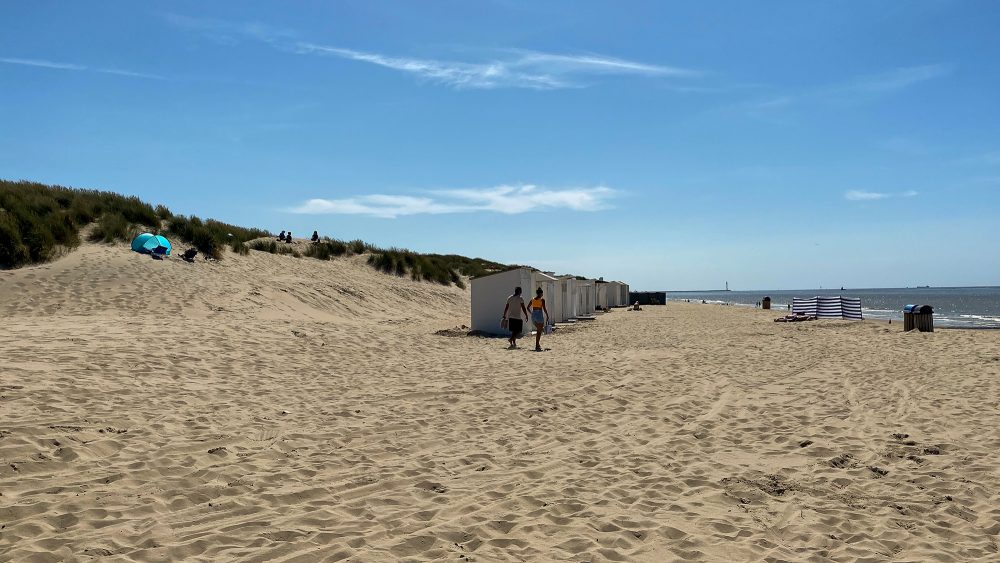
{"points": [[288, 237], [315, 237], [281, 236]]}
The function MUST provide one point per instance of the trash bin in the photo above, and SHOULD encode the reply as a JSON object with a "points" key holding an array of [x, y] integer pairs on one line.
{"points": [[765, 303], [918, 317]]}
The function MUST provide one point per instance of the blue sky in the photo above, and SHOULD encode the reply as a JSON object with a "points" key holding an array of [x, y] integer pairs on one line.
{"points": [[671, 145]]}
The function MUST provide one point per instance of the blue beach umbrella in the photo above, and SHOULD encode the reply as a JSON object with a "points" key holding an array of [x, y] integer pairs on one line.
{"points": [[148, 243]]}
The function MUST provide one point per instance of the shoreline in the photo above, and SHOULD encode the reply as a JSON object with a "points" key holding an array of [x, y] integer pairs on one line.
{"points": [[949, 324]]}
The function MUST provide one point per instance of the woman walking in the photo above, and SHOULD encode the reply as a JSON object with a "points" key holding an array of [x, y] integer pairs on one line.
{"points": [[539, 315]]}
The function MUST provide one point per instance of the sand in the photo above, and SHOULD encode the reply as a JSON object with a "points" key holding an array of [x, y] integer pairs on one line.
{"points": [[267, 408]]}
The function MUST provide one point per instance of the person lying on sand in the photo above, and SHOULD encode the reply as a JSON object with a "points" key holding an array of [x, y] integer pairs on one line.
{"points": [[795, 318]]}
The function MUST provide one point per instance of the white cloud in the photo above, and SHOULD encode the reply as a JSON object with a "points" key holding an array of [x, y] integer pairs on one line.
{"points": [[501, 199], [861, 195], [510, 68], [457, 74], [42, 64], [526, 69], [75, 67], [595, 63]]}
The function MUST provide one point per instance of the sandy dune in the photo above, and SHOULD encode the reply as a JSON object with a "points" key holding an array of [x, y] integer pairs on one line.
{"points": [[267, 408]]}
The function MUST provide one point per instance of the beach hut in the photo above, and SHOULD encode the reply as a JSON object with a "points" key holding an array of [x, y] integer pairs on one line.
{"points": [[615, 297], [490, 293], [586, 296], [568, 297], [601, 294]]}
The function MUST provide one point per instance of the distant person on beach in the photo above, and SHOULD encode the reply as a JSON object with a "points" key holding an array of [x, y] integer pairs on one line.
{"points": [[514, 321], [281, 236], [539, 315], [288, 237], [315, 237]]}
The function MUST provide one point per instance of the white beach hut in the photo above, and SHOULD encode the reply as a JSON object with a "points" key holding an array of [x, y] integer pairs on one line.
{"points": [[614, 294], [586, 296], [490, 293], [568, 292], [601, 292]]}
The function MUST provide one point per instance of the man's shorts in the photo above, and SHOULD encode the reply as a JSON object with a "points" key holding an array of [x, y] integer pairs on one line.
{"points": [[515, 326]]}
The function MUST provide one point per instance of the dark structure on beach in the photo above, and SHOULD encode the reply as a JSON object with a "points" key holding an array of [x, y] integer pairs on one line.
{"points": [[648, 297]]}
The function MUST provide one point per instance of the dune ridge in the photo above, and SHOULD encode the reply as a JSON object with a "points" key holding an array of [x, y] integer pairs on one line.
{"points": [[268, 408]]}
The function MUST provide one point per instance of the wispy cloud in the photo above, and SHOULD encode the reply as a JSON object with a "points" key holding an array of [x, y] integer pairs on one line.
{"points": [[457, 74], [594, 64], [500, 199], [861, 195], [75, 67], [522, 69], [41, 64], [506, 68]]}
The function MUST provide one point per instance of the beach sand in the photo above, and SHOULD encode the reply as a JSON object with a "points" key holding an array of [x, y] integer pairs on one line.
{"points": [[267, 408]]}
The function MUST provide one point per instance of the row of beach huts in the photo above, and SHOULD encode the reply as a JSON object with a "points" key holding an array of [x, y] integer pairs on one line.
{"points": [[567, 298]]}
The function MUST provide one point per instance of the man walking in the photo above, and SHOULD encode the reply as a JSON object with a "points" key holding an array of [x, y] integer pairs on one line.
{"points": [[515, 321]]}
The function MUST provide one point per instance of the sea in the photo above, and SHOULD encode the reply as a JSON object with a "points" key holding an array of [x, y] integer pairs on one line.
{"points": [[954, 307]]}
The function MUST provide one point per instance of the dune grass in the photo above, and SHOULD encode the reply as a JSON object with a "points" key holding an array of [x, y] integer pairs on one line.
{"points": [[37, 220], [210, 237], [444, 269], [271, 246]]}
